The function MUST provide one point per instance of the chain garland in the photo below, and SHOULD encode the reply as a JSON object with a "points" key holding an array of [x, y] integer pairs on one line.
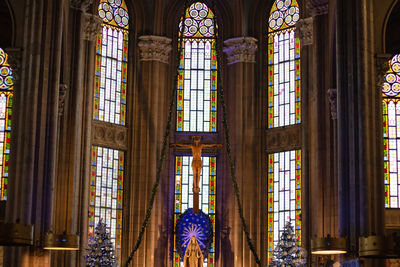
{"points": [[164, 147], [227, 141]]}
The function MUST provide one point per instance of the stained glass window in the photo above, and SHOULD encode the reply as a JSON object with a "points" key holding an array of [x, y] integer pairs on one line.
{"points": [[197, 80], [391, 133], [6, 95], [106, 187], [111, 63], [284, 195], [184, 195], [284, 94]]}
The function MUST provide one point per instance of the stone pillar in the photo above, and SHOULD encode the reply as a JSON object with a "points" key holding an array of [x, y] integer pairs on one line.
{"points": [[34, 130], [72, 175], [243, 101], [91, 26], [150, 98], [360, 165]]}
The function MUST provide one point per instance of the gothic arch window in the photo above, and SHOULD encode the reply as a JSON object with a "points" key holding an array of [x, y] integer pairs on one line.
{"points": [[109, 112], [391, 133], [111, 63], [197, 81], [284, 114], [6, 95], [197, 114]]}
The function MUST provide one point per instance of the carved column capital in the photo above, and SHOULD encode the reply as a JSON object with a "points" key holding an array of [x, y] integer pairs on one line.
{"points": [[304, 30], [155, 48], [14, 59], [82, 5], [240, 49], [332, 95], [91, 26], [382, 66], [317, 7], [62, 92]]}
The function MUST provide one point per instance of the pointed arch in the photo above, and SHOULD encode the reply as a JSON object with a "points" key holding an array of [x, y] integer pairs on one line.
{"points": [[284, 94], [197, 80], [111, 63]]}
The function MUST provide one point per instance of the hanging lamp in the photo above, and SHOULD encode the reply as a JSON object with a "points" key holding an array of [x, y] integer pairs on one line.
{"points": [[328, 245], [62, 241]]}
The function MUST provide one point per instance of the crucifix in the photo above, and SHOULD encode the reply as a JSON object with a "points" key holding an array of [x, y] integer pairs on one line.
{"points": [[197, 165]]}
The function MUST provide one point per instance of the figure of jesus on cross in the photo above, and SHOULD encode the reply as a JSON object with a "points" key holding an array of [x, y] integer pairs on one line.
{"points": [[197, 165]]}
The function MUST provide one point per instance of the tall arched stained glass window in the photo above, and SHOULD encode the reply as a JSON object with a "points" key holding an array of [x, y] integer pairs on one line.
{"points": [[111, 63], [197, 81], [6, 95], [284, 109], [284, 93], [391, 133]]}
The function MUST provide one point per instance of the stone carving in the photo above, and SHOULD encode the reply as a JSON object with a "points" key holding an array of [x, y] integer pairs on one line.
{"points": [[62, 92], [288, 138], [155, 48], [332, 95], [317, 7], [382, 66], [109, 135], [304, 30], [81, 4], [14, 59], [91, 26], [240, 49]]}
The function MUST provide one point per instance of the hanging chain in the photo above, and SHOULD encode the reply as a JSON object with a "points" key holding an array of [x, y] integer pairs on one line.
{"points": [[227, 139], [164, 146]]}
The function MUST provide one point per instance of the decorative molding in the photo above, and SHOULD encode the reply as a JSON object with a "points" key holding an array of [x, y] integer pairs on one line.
{"points": [[91, 26], [82, 5], [318, 7], [332, 95], [109, 135], [279, 139], [304, 30], [14, 59], [62, 92], [240, 49], [155, 48], [382, 66]]}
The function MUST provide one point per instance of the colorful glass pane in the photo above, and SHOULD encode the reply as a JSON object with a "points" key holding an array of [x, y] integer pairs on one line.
{"points": [[184, 196], [111, 63], [284, 94], [391, 133], [6, 95], [106, 188], [197, 80], [284, 14], [284, 195]]}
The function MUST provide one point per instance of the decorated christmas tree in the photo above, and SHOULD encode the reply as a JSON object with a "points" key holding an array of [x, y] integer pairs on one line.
{"points": [[100, 250], [287, 253]]}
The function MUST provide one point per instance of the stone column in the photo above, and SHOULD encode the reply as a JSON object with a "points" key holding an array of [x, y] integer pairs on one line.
{"points": [[73, 161], [34, 132], [150, 98], [360, 165], [243, 101], [91, 26]]}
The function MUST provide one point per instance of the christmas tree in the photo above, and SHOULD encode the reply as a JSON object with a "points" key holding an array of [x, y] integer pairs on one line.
{"points": [[100, 250], [287, 252]]}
